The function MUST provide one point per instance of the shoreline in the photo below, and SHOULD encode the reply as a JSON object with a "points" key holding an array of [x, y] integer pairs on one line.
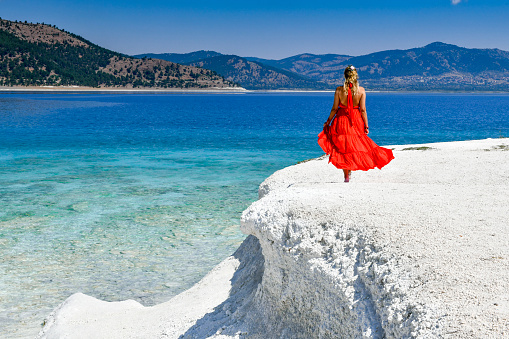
{"points": [[434, 266], [233, 90], [79, 89]]}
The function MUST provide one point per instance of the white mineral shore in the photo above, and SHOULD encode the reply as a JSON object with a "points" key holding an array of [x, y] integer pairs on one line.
{"points": [[419, 249]]}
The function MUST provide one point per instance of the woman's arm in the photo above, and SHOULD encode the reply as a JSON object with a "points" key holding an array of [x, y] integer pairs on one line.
{"points": [[334, 107], [364, 114]]}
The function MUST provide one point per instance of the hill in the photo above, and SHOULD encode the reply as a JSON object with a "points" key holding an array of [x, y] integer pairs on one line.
{"points": [[250, 74], [255, 75], [437, 66], [43, 55], [310, 65], [180, 58]]}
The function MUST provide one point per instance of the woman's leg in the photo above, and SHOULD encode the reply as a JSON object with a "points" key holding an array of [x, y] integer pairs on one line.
{"points": [[346, 173]]}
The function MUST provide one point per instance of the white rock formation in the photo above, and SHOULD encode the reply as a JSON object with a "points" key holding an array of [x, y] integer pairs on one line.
{"points": [[417, 250]]}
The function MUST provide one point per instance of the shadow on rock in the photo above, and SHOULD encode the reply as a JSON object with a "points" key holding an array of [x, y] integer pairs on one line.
{"points": [[231, 317]]}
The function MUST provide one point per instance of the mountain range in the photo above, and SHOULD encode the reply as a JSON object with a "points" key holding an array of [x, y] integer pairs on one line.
{"points": [[250, 74], [44, 55], [437, 66]]}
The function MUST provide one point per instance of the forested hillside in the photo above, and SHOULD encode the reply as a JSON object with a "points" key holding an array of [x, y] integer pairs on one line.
{"points": [[43, 55]]}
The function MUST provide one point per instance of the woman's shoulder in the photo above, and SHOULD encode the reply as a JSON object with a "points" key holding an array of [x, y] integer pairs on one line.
{"points": [[361, 89], [339, 88]]}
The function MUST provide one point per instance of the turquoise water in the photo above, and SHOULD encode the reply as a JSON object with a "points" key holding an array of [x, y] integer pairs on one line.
{"points": [[137, 196], [125, 225]]}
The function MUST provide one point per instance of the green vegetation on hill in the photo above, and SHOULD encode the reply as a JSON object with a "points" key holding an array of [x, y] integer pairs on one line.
{"points": [[42, 55], [24, 63]]}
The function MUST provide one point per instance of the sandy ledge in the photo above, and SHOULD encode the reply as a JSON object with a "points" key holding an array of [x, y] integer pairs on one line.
{"points": [[417, 250]]}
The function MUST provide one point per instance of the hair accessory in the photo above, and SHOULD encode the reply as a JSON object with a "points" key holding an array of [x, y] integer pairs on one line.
{"points": [[352, 68]]}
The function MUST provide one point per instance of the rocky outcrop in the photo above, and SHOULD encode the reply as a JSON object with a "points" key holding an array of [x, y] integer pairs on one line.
{"points": [[417, 250]]}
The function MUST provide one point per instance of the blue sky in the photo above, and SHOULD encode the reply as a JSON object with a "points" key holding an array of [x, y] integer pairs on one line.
{"points": [[272, 29]]}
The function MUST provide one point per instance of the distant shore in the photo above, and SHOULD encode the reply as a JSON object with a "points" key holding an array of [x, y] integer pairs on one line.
{"points": [[118, 90], [54, 89]]}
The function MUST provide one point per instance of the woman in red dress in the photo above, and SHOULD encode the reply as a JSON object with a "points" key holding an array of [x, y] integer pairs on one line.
{"points": [[346, 139]]}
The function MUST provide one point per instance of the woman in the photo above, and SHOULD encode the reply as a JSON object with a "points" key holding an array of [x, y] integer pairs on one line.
{"points": [[346, 140]]}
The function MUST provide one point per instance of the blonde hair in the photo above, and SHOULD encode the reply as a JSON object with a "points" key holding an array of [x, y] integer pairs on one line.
{"points": [[351, 77]]}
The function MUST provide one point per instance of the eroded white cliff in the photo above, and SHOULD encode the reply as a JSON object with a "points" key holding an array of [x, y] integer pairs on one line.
{"points": [[417, 250]]}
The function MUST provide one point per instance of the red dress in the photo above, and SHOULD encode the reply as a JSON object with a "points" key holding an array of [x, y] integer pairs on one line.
{"points": [[346, 143]]}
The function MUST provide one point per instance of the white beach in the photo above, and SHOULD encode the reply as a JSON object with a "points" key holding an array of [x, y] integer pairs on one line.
{"points": [[418, 249]]}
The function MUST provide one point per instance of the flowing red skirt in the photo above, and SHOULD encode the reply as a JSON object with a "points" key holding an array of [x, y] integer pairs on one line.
{"points": [[348, 146]]}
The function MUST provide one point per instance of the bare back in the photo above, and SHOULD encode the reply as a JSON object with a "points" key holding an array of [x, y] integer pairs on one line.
{"points": [[358, 98]]}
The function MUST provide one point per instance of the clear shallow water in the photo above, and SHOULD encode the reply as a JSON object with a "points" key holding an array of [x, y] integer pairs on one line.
{"points": [[137, 196]]}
